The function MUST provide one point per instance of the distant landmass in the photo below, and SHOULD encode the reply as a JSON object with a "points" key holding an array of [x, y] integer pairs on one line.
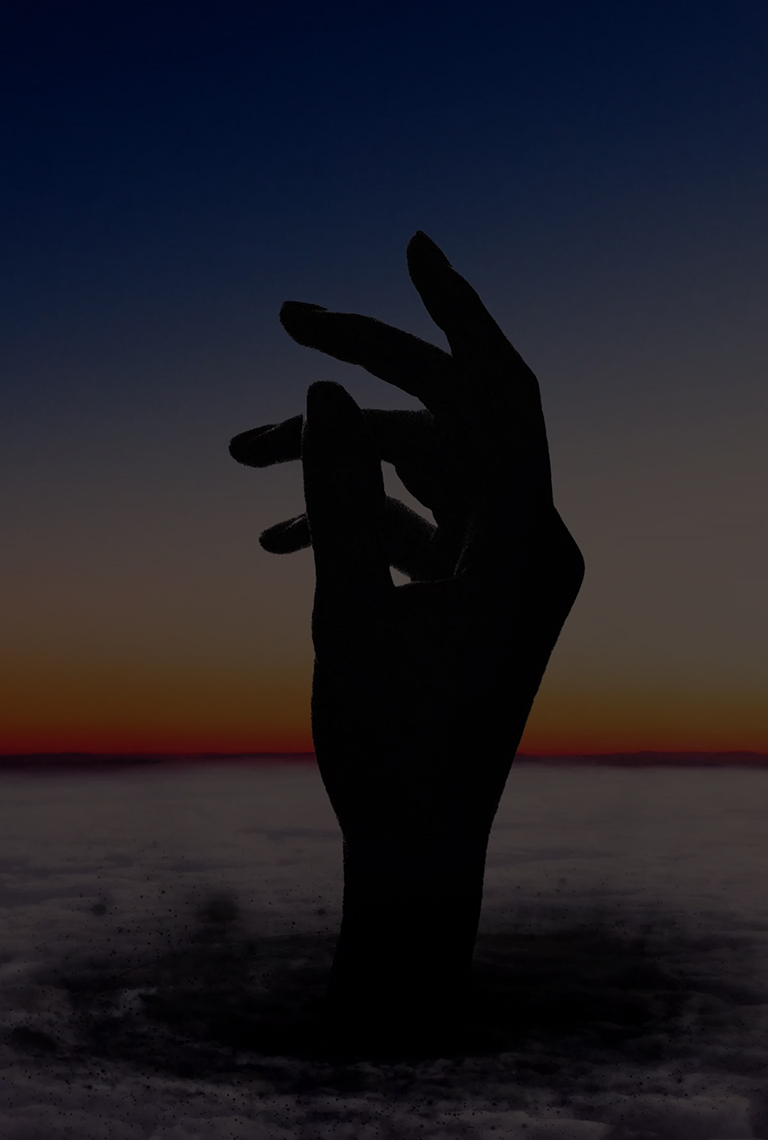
{"points": [[60, 761], [653, 759]]}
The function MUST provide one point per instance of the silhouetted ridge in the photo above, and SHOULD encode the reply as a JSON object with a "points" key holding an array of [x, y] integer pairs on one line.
{"points": [[113, 760], [652, 759]]}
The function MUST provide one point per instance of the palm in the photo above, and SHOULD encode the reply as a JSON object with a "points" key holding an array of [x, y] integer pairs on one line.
{"points": [[465, 644]]}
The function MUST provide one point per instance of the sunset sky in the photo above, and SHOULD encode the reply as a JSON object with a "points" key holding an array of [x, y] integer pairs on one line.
{"points": [[173, 173]]}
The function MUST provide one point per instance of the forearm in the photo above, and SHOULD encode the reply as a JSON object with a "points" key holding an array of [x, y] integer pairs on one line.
{"points": [[408, 930], [416, 822]]}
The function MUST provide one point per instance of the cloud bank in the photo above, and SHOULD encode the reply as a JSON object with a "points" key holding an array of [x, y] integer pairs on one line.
{"points": [[166, 931]]}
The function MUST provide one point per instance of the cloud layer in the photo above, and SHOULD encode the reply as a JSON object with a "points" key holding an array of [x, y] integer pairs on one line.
{"points": [[166, 931]]}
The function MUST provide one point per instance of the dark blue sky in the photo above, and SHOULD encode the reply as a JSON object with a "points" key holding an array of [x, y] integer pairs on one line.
{"points": [[174, 172], [206, 148]]}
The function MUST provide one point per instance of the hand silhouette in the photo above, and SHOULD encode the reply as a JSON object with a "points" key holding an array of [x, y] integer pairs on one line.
{"points": [[421, 691]]}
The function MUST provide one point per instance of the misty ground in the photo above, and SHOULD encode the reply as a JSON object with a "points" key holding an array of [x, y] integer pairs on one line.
{"points": [[167, 935]]}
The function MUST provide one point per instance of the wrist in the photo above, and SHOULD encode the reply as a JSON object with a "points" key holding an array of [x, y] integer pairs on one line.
{"points": [[394, 865], [408, 931]]}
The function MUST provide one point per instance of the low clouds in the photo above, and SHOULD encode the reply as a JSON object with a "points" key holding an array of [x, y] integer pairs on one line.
{"points": [[166, 934]]}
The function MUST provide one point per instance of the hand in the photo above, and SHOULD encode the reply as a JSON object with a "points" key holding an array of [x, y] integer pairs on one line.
{"points": [[421, 691]]}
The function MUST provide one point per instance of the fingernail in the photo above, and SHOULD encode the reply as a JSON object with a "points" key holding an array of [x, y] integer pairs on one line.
{"points": [[246, 437], [277, 529], [241, 446], [274, 538], [252, 433], [300, 309]]}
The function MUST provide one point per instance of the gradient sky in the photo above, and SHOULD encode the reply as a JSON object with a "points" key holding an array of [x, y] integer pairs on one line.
{"points": [[172, 173]]}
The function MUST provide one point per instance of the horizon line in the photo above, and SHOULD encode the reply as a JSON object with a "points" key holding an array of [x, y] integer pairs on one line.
{"points": [[640, 758]]}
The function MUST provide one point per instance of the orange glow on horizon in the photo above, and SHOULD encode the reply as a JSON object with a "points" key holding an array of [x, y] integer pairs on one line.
{"points": [[157, 740], [187, 710]]}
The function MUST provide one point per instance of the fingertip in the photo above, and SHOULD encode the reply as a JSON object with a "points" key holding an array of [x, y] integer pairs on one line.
{"points": [[286, 537], [423, 251], [235, 448], [324, 394], [241, 445], [267, 542], [296, 318], [268, 444], [338, 418]]}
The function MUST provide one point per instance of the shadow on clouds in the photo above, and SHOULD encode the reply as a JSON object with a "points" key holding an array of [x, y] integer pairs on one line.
{"points": [[556, 1005]]}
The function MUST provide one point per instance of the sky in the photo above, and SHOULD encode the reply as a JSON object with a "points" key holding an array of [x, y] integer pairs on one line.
{"points": [[173, 173]]}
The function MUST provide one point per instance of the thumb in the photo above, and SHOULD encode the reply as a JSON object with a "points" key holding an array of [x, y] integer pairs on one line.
{"points": [[345, 500]]}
